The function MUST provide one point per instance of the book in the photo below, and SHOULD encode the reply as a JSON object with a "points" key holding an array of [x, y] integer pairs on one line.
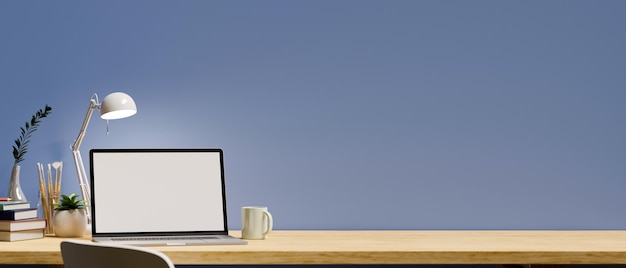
{"points": [[13, 204], [21, 235], [18, 214], [19, 225]]}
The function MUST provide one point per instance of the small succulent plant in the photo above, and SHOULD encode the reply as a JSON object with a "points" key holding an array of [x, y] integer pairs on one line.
{"points": [[69, 203], [21, 144]]}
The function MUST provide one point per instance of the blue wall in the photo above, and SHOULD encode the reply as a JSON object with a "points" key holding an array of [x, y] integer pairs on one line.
{"points": [[343, 114]]}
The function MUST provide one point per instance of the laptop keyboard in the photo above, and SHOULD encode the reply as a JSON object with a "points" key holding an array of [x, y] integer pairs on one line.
{"points": [[164, 238]]}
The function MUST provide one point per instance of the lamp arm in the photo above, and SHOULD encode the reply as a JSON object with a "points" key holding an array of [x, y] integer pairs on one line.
{"points": [[83, 183], [78, 160], [93, 104]]}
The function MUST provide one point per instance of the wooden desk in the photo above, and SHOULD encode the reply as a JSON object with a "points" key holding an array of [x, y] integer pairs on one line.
{"points": [[377, 247]]}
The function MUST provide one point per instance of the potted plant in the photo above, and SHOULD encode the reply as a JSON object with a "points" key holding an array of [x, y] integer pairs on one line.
{"points": [[21, 148], [70, 219]]}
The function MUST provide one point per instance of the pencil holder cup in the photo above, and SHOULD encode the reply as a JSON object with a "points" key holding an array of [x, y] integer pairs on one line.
{"points": [[49, 191]]}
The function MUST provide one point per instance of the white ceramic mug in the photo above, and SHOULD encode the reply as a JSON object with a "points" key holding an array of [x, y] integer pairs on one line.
{"points": [[256, 222]]}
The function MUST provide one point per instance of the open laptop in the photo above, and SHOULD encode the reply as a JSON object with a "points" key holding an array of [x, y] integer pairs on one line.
{"points": [[159, 197]]}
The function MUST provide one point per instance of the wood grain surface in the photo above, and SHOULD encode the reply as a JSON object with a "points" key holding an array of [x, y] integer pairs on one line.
{"points": [[377, 247]]}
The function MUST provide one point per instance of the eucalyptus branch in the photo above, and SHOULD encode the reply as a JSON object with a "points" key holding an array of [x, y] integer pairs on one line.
{"points": [[21, 144]]}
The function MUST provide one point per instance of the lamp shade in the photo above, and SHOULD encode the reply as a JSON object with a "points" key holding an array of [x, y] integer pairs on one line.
{"points": [[117, 105]]}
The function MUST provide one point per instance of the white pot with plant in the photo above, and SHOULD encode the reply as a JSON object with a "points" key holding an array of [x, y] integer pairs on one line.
{"points": [[70, 219]]}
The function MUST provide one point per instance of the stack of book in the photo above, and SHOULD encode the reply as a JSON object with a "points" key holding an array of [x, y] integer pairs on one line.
{"points": [[19, 221]]}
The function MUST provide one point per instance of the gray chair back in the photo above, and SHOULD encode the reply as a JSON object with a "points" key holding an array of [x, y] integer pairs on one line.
{"points": [[84, 254]]}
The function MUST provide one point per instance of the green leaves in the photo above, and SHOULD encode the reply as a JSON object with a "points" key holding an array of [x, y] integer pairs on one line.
{"points": [[21, 144], [69, 203]]}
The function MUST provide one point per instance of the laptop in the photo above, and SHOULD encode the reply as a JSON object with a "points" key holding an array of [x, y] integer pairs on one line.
{"points": [[159, 197]]}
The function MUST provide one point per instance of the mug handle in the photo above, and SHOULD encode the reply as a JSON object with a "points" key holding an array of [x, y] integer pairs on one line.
{"points": [[270, 222]]}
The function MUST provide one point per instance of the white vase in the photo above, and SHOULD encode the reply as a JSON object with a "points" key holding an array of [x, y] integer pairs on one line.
{"points": [[15, 190], [69, 223]]}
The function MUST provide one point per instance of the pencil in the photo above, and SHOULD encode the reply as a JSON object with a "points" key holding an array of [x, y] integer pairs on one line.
{"points": [[44, 198]]}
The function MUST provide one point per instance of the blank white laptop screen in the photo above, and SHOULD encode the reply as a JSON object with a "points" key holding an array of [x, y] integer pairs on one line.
{"points": [[147, 191]]}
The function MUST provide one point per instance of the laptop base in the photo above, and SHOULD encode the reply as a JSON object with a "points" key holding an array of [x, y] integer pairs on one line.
{"points": [[172, 241]]}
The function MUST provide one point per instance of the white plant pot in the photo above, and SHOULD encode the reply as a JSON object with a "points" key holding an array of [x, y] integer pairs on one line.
{"points": [[69, 223]]}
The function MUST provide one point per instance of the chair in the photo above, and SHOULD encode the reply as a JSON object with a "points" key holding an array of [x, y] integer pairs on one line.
{"points": [[83, 254]]}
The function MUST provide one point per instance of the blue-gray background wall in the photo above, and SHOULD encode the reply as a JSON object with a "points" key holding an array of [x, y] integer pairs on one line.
{"points": [[342, 114]]}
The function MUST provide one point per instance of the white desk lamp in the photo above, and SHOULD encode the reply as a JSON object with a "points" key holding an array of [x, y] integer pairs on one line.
{"points": [[116, 105]]}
